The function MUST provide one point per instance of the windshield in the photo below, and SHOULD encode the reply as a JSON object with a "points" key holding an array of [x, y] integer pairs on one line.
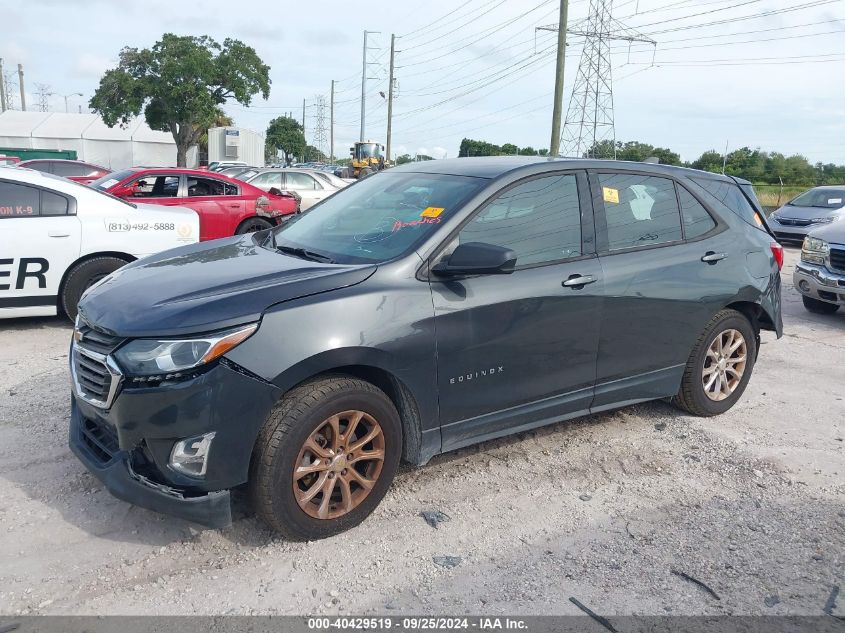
{"points": [[368, 150], [823, 198], [379, 218], [111, 179]]}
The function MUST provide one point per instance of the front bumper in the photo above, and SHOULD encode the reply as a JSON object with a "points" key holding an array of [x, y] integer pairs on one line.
{"points": [[128, 446], [819, 283], [212, 509]]}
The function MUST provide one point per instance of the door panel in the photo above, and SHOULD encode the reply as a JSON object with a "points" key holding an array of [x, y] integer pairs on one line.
{"points": [[43, 246], [519, 350], [659, 296]]}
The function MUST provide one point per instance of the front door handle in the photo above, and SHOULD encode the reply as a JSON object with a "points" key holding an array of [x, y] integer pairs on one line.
{"points": [[578, 281], [57, 234], [711, 257]]}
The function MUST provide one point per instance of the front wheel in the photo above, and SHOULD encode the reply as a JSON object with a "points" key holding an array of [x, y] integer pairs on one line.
{"points": [[818, 307], [325, 457], [83, 276], [253, 225], [720, 365]]}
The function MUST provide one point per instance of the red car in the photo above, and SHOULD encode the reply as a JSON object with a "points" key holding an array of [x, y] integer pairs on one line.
{"points": [[76, 170], [9, 161], [225, 206]]}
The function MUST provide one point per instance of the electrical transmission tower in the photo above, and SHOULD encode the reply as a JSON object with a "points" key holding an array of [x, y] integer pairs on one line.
{"points": [[320, 140], [589, 117], [10, 85], [42, 92]]}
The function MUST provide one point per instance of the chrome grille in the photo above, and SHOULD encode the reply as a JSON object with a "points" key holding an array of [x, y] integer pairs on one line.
{"points": [[794, 222], [96, 377], [837, 258], [95, 340]]}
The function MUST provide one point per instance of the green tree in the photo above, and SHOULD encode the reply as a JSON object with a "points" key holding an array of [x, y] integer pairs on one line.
{"points": [[509, 149], [180, 84], [470, 147], [284, 133], [527, 151], [543, 152], [404, 158], [710, 160]]}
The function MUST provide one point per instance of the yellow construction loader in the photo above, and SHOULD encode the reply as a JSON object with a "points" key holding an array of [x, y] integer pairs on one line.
{"points": [[367, 158]]}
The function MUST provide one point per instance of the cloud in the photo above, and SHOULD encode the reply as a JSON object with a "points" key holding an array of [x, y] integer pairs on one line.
{"points": [[88, 65]]}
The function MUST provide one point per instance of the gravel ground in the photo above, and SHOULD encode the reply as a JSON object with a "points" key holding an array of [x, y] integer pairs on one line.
{"points": [[603, 509]]}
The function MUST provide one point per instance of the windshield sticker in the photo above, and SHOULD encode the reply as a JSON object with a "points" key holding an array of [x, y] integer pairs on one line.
{"points": [[834, 200], [611, 195], [432, 212], [108, 183]]}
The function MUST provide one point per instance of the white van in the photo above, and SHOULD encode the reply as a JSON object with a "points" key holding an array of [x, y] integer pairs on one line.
{"points": [[57, 238]]}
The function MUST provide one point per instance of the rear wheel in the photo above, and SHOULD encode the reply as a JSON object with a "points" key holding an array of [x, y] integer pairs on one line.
{"points": [[253, 225], [819, 307], [720, 365], [83, 276], [325, 457]]}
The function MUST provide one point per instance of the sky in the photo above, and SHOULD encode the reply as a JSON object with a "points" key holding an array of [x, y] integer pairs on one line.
{"points": [[756, 73]]}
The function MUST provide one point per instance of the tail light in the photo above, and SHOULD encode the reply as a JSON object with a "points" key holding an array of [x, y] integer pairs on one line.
{"points": [[777, 251]]}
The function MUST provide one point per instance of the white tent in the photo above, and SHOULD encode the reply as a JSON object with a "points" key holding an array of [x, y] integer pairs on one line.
{"points": [[93, 140]]}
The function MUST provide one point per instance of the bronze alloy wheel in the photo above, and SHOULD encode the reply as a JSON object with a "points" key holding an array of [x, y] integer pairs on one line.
{"points": [[338, 464], [724, 364]]}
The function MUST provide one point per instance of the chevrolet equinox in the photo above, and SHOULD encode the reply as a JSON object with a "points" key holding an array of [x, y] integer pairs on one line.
{"points": [[423, 309]]}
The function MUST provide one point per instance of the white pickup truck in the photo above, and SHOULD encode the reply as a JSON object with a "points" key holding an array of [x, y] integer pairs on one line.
{"points": [[58, 238]]}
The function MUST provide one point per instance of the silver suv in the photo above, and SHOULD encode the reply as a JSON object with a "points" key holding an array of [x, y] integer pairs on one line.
{"points": [[820, 275]]}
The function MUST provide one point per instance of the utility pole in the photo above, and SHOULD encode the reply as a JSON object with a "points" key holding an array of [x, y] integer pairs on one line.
{"points": [[72, 94], [42, 91], [23, 94], [557, 114], [364, 83], [303, 117], [725, 156], [331, 127], [2, 88], [390, 94]]}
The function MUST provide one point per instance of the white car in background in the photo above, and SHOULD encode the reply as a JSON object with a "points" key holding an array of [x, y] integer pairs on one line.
{"points": [[58, 238], [309, 185]]}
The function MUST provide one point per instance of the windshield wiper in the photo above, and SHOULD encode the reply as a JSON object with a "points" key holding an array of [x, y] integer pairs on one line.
{"points": [[304, 253]]}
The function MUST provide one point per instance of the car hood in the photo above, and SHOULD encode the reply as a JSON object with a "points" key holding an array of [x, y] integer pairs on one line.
{"points": [[207, 286], [833, 233], [805, 213]]}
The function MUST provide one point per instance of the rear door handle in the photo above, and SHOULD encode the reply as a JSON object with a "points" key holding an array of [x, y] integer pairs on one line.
{"points": [[711, 257], [578, 281], [57, 234]]}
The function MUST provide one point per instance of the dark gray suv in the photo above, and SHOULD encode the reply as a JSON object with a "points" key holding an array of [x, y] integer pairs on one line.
{"points": [[423, 309]]}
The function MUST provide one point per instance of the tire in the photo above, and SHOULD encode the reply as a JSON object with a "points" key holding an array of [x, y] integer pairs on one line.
{"points": [[300, 414], [692, 396], [364, 172], [83, 276], [253, 225], [818, 307]]}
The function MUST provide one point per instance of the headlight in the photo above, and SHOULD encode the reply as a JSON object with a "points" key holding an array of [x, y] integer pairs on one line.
{"points": [[167, 358], [814, 250]]}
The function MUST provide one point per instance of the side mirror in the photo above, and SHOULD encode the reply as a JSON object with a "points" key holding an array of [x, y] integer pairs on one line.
{"points": [[123, 192], [477, 258]]}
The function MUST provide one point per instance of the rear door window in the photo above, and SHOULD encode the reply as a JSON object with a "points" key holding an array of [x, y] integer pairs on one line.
{"points": [[18, 201], [639, 210], [697, 221], [201, 187]]}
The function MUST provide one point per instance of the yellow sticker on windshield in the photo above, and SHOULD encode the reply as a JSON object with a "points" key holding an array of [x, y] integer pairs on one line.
{"points": [[611, 195], [432, 212]]}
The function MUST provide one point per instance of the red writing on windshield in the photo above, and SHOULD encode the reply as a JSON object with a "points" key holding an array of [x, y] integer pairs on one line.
{"points": [[399, 225]]}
